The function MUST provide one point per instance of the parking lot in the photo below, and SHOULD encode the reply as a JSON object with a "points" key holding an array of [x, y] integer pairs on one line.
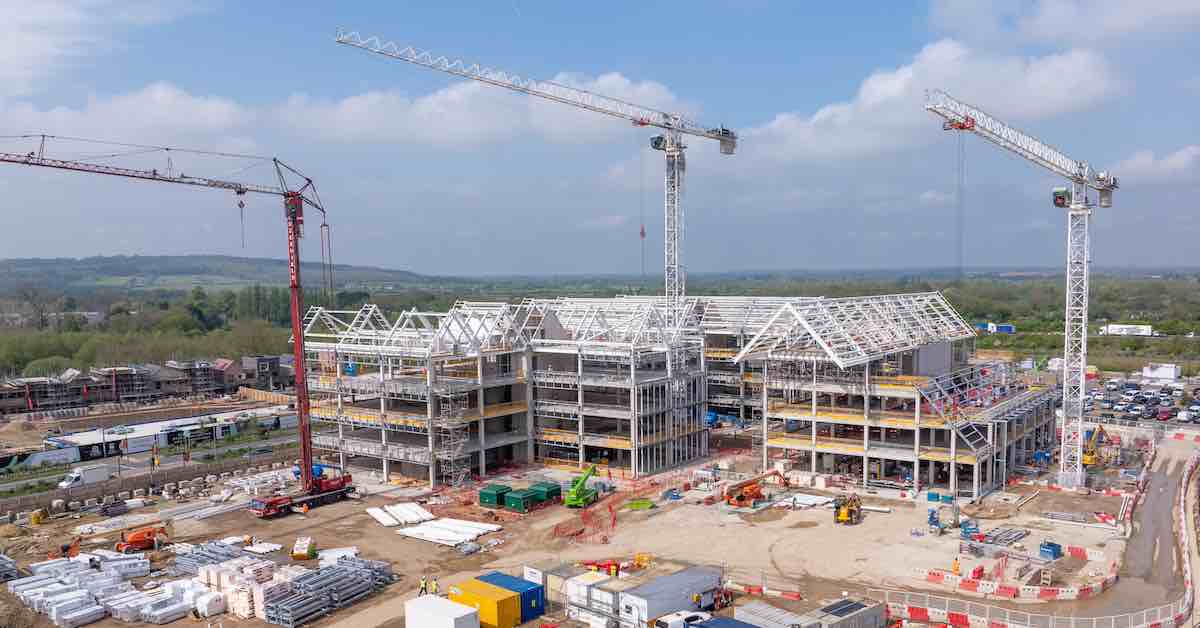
{"points": [[1133, 401]]}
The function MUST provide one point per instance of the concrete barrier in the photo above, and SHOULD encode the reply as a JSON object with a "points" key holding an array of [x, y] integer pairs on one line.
{"points": [[108, 499], [123, 495], [73, 506], [58, 506], [139, 492], [169, 487], [90, 502]]}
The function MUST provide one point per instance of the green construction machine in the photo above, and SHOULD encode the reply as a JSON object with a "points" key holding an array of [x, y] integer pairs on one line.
{"points": [[581, 495]]}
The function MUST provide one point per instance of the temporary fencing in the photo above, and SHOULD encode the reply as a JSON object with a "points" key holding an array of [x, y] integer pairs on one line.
{"points": [[922, 607]]}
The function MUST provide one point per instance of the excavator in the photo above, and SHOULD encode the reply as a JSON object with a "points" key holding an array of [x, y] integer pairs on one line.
{"points": [[66, 550], [1091, 452], [847, 510], [580, 494], [741, 494], [147, 538]]}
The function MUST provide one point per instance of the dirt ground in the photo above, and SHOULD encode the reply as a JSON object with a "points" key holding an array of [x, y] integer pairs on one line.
{"points": [[796, 550]]}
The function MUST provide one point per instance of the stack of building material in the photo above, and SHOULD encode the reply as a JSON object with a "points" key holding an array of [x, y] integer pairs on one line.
{"points": [[329, 557], [381, 571], [266, 483], [408, 513], [266, 592], [165, 611], [296, 609], [132, 568], [79, 616], [210, 603], [206, 554], [384, 519], [8, 568], [303, 547], [128, 606], [239, 600], [288, 573], [261, 548], [449, 532]]}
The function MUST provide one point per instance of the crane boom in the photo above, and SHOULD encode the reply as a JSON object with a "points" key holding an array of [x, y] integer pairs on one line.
{"points": [[963, 117], [674, 125], [575, 97], [293, 201], [961, 114]]}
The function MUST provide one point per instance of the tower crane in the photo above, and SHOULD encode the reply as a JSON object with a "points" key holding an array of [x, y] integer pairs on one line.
{"points": [[1074, 199], [671, 142], [294, 188]]}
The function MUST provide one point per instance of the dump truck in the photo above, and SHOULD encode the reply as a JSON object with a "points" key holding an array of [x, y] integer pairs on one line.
{"points": [[325, 490]]}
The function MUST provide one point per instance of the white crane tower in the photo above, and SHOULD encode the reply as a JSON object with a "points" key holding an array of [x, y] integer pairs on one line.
{"points": [[674, 126], [963, 117]]}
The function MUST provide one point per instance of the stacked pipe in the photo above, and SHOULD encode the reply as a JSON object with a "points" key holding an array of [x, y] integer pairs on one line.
{"points": [[128, 606], [206, 554], [165, 610], [296, 609], [8, 568]]}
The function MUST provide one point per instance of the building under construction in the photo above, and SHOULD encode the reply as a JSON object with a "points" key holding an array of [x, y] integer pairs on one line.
{"points": [[871, 386]]}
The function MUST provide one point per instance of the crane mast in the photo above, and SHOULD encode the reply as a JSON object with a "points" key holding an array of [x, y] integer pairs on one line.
{"points": [[670, 142], [294, 201], [1082, 177]]}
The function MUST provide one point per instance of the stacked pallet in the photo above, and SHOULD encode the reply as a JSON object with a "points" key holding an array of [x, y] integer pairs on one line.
{"points": [[239, 600]]}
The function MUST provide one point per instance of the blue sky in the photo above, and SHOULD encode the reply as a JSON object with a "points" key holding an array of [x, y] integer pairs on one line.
{"points": [[839, 166]]}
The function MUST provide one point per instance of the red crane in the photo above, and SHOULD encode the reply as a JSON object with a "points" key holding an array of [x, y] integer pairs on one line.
{"points": [[295, 195]]}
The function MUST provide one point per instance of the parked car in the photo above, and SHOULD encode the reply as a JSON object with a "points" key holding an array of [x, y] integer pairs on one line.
{"points": [[1167, 403], [1164, 414], [1120, 406], [1111, 386], [1106, 405], [1195, 407], [1138, 408], [1127, 397]]}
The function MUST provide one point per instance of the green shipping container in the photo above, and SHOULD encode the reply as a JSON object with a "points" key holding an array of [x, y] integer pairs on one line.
{"points": [[519, 501], [493, 495], [547, 491], [498, 608]]}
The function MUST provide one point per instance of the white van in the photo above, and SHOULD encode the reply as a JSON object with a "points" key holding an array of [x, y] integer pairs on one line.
{"points": [[681, 619], [82, 476]]}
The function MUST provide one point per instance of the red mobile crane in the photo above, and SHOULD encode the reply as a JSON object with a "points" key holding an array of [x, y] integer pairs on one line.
{"points": [[295, 197]]}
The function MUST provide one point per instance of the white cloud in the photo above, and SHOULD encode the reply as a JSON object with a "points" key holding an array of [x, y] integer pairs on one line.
{"points": [[1143, 167], [1071, 21], [887, 112], [158, 112], [934, 198], [465, 114], [42, 37]]}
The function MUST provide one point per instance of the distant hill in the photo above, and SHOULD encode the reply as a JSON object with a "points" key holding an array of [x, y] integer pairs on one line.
{"points": [[182, 272]]}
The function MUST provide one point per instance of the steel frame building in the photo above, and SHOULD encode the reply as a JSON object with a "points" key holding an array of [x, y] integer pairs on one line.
{"points": [[885, 389], [609, 381]]}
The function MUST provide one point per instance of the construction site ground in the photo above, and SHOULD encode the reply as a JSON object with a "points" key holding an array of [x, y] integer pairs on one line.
{"points": [[799, 550]]}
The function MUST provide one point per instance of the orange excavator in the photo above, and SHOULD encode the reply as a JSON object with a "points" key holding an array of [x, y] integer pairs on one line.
{"points": [[148, 538], [742, 494]]}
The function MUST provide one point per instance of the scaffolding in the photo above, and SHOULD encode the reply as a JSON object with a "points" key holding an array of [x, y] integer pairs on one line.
{"points": [[452, 432]]}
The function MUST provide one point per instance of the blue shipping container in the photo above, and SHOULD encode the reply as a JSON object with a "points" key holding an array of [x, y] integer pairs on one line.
{"points": [[533, 596], [1006, 328], [722, 622]]}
